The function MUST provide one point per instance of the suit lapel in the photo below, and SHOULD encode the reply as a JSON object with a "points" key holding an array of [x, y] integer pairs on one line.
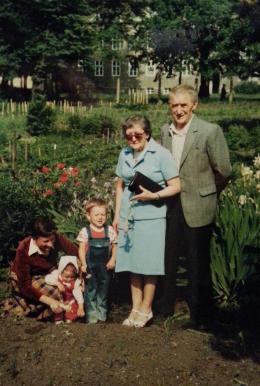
{"points": [[190, 138], [168, 139]]}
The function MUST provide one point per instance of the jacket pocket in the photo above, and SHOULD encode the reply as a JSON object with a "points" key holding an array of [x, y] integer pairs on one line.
{"points": [[207, 190]]}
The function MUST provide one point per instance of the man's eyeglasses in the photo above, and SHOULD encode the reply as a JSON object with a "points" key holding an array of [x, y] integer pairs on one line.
{"points": [[129, 137]]}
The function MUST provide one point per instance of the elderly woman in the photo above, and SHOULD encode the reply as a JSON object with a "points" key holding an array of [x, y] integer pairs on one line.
{"points": [[36, 256], [139, 220]]}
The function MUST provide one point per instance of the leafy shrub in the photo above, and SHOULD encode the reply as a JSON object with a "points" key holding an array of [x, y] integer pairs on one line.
{"points": [[235, 244], [247, 88], [18, 207], [98, 124], [238, 137], [40, 118]]}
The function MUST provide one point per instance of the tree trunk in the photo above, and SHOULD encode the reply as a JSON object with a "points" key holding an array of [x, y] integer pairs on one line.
{"points": [[204, 87], [231, 90], [216, 82], [180, 77]]}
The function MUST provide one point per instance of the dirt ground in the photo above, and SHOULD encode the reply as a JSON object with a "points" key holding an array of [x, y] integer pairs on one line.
{"points": [[164, 353]]}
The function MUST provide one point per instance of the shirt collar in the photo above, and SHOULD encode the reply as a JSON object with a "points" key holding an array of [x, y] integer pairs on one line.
{"points": [[33, 248], [181, 132]]}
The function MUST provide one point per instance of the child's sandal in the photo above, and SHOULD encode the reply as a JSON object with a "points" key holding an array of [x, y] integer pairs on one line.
{"points": [[142, 319]]}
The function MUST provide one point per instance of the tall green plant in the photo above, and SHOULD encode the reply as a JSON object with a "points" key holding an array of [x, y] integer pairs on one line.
{"points": [[236, 238], [40, 118]]}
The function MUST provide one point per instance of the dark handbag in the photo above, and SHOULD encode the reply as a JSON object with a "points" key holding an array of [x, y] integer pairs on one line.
{"points": [[145, 182]]}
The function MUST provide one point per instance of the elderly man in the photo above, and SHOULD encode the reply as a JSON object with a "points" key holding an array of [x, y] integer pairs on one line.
{"points": [[202, 156]]}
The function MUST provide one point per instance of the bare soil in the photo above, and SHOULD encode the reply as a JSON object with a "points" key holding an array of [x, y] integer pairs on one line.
{"points": [[164, 353]]}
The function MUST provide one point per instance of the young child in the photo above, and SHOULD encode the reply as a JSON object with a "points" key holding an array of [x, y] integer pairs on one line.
{"points": [[69, 285], [97, 255]]}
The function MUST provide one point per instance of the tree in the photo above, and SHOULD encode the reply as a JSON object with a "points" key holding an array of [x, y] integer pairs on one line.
{"points": [[44, 38], [239, 51], [207, 19]]}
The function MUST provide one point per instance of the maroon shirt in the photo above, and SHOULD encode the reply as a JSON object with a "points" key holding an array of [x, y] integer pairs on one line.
{"points": [[26, 266]]}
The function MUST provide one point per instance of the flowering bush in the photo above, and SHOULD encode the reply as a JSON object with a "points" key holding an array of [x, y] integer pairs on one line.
{"points": [[236, 239]]}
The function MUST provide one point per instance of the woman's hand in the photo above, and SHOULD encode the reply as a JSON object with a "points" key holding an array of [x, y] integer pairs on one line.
{"points": [[146, 195], [115, 223]]}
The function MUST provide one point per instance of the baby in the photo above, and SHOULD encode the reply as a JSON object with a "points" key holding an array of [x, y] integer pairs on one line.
{"points": [[97, 254], [69, 285]]}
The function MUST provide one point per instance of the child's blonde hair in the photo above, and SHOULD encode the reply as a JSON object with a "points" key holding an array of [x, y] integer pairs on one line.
{"points": [[95, 202]]}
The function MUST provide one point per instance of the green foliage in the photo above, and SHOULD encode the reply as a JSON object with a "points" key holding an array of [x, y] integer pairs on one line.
{"points": [[238, 137], [98, 124], [247, 88], [18, 206], [40, 118], [235, 244]]}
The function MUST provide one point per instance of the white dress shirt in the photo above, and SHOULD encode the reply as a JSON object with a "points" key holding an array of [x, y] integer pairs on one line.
{"points": [[178, 140]]}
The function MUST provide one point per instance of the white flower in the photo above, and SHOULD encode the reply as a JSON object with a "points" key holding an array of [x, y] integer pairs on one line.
{"points": [[256, 161], [246, 171], [242, 199], [107, 185], [93, 180], [257, 175], [258, 188]]}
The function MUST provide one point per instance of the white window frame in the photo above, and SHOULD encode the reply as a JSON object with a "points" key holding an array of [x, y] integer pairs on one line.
{"points": [[150, 69], [115, 68], [166, 90], [99, 68], [116, 44], [132, 71], [80, 65], [150, 90]]}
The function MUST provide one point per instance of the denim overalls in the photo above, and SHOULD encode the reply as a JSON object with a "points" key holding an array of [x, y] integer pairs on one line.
{"points": [[97, 286]]}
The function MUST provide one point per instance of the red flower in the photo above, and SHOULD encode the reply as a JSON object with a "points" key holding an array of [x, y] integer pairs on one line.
{"points": [[60, 166], [45, 170], [63, 178], [48, 193], [74, 171], [77, 183]]}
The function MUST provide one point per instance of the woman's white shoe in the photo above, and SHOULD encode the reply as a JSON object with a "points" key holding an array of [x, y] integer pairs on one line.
{"points": [[142, 319], [130, 321]]}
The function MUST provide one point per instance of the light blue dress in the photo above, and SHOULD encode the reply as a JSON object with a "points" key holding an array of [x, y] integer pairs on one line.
{"points": [[142, 226]]}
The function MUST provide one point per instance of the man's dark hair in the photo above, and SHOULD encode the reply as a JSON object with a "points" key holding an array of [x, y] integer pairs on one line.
{"points": [[43, 227]]}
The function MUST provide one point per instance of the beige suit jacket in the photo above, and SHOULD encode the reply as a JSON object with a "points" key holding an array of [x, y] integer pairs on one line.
{"points": [[204, 169]]}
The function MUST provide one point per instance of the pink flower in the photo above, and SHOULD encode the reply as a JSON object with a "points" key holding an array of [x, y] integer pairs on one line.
{"points": [[45, 170], [63, 178], [60, 166], [48, 193], [74, 171], [77, 183], [57, 185]]}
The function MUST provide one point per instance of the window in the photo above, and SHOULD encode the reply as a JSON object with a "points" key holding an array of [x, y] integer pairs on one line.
{"points": [[149, 90], [150, 69], [117, 44], [115, 68], [132, 70], [80, 65], [166, 91], [99, 68]]}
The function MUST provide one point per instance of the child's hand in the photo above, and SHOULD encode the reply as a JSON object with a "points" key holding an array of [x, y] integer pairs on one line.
{"points": [[61, 287], [80, 311], [111, 263], [83, 268]]}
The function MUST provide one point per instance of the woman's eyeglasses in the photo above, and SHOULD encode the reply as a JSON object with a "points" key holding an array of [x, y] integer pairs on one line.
{"points": [[129, 137]]}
